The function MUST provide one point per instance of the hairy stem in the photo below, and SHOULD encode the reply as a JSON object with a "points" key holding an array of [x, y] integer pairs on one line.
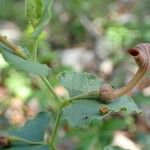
{"points": [[47, 83], [90, 95], [56, 125], [35, 47]]}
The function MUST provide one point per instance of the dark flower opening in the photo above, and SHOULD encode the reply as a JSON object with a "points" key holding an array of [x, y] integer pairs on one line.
{"points": [[133, 52]]}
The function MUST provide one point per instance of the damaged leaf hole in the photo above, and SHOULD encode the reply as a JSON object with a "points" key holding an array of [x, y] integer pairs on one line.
{"points": [[85, 118]]}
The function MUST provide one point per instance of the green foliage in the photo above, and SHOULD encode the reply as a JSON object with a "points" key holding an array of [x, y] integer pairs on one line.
{"points": [[82, 111], [32, 12], [39, 8], [81, 108], [25, 65], [34, 129], [79, 83], [38, 13], [28, 136], [45, 18]]}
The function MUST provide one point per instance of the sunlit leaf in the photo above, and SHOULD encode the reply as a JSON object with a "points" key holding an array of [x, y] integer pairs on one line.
{"points": [[25, 65]]}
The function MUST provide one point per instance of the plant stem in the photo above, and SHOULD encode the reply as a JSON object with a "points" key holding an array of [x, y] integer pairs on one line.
{"points": [[52, 147], [56, 125], [35, 46], [47, 83], [91, 95]]}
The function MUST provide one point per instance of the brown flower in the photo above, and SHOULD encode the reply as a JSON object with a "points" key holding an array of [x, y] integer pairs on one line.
{"points": [[141, 55]]}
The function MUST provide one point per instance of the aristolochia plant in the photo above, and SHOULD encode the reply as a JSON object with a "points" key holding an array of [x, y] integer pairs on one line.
{"points": [[89, 98]]}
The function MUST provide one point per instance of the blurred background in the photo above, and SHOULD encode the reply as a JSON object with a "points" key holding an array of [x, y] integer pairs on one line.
{"points": [[83, 35]]}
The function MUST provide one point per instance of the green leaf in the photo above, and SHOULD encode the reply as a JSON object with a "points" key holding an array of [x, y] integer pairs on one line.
{"points": [[30, 10], [34, 129], [34, 11], [28, 147], [25, 65], [45, 18], [79, 83], [39, 8], [125, 103], [82, 111]]}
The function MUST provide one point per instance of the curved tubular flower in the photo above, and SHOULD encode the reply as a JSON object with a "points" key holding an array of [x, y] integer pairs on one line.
{"points": [[141, 55]]}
